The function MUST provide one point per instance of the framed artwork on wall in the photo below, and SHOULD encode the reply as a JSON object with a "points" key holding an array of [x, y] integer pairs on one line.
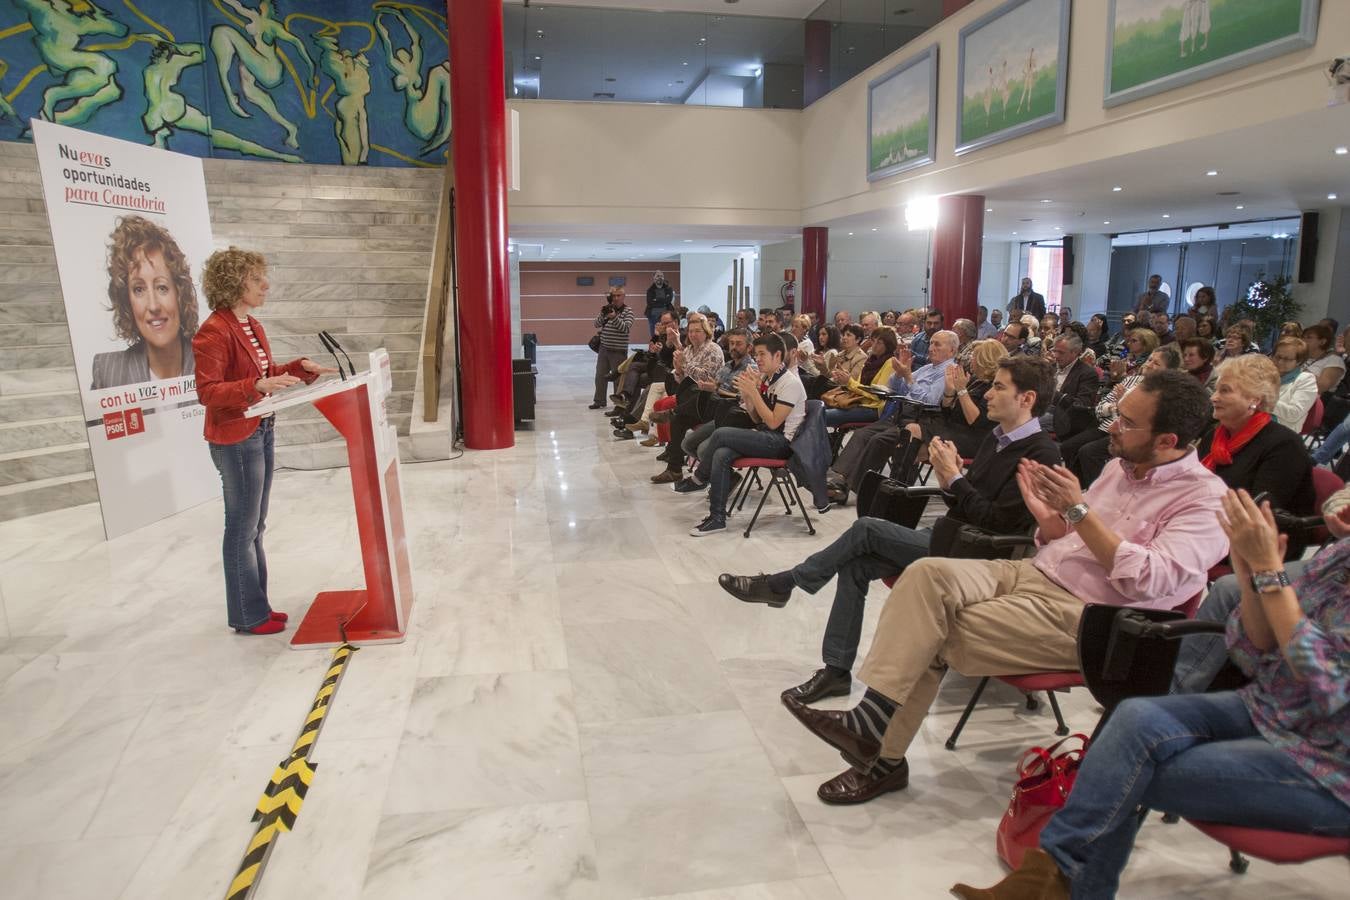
{"points": [[1012, 76], [902, 117], [1158, 45]]}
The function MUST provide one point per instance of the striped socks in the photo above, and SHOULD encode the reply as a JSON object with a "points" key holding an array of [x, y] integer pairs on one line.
{"points": [[871, 715]]}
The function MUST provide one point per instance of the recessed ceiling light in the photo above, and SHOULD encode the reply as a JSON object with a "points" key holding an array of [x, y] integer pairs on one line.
{"points": [[1341, 151], [988, 209], [1239, 206], [1045, 201], [1057, 228], [564, 240], [1167, 215], [688, 240], [684, 63], [1117, 189], [1331, 196], [875, 229], [1212, 172], [850, 234], [1014, 232], [537, 58], [1107, 222]]}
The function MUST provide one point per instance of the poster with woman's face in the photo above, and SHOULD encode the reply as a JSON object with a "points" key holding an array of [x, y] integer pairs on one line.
{"points": [[131, 230]]}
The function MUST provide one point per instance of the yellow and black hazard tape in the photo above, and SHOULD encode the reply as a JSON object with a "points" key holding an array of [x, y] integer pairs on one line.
{"points": [[285, 792]]}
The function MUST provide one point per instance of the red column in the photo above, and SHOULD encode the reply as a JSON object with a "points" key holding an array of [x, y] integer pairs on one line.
{"points": [[816, 70], [957, 247], [478, 116], [815, 268]]}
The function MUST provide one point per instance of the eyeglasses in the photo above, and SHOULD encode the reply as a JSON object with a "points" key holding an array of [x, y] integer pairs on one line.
{"points": [[1122, 424]]}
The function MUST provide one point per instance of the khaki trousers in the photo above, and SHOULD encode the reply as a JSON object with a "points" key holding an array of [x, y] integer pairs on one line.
{"points": [[980, 617]]}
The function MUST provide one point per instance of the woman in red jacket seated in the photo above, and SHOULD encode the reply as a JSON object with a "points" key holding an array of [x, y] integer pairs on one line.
{"points": [[235, 370]]}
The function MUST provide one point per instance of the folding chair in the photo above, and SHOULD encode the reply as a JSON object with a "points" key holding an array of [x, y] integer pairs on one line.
{"points": [[779, 479]]}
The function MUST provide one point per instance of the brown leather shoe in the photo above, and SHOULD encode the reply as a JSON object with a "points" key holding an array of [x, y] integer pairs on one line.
{"points": [[852, 786], [652, 441], [1038, 878], [669, 476], [831, 726]]}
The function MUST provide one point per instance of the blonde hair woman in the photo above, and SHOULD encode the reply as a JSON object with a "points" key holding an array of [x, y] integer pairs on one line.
{"points": [[965, 414]]}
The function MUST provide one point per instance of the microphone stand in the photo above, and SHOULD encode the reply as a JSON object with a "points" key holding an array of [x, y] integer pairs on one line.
{"points": [[351, 368], [324, 339]]}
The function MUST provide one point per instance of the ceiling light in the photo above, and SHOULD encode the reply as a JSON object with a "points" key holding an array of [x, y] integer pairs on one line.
{"points": [[1045, 201], [1239, 206], [537, 58], [921, 213], [1331, 196], [1014, 232], [875, 229], [850, 234], [1212, 172], [1107, 222], [1117, 189], [1341, 151], [758, 72], [1167, 215], [988, 209], [564, 240], [684, 63], [688, 240]]}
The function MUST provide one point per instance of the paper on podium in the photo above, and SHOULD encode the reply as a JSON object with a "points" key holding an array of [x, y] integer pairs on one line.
{"points": [[324, 387]]}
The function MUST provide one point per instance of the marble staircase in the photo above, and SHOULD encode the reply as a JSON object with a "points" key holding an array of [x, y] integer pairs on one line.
{"points": [[349, 252]]}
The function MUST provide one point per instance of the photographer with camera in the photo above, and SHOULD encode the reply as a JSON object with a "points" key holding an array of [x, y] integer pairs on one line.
{"points": [[613, 323]]}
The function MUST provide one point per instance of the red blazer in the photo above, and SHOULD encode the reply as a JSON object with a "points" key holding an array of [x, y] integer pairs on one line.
{"points": [[227, 368]]}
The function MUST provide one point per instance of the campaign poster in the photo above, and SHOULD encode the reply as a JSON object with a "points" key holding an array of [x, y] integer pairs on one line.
{"points": [[131, 230]]}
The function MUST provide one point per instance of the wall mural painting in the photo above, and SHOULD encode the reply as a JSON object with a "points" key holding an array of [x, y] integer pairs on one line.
{"points": [[354, 82]]}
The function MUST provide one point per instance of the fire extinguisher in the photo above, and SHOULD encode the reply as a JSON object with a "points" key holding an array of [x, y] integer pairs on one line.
{"points": [[788, 292]]}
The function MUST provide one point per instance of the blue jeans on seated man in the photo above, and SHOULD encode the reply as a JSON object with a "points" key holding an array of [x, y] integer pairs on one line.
{"points": [[1202, 655], [246, 479], [1197, 756], [871, 549], [1327, 450], [837, 417], [726, 446]]}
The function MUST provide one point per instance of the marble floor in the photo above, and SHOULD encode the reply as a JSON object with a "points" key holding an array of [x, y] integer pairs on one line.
{"points": [[578, 711]]}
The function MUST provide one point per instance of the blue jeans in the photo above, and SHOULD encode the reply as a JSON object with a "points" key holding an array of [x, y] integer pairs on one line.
{"points": [[724, 447], [836, 417], [246, 476], [1202, 655], [871, 549], [1339, 437], [1197, 756]]}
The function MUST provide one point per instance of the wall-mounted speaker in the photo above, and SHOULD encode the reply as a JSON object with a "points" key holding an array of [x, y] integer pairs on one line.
{"points": [[1068, 259], [1307, 248]]}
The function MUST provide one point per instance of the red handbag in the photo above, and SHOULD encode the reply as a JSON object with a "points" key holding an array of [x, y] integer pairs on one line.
{"points": [[1044, 781]]}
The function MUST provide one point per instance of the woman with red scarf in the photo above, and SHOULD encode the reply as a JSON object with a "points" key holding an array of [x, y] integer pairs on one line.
{"points": [[1248, 449]]}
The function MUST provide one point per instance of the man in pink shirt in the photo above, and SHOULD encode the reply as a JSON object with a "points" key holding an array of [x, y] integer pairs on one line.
{"points": [[1145, 534]]}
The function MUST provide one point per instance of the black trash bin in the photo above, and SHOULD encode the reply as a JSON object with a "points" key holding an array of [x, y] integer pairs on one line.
{"points": [[530, 341], [523, 375]]}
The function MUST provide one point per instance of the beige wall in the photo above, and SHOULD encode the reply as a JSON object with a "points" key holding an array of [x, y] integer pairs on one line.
{"points": [[644, 164], [834, 138]]}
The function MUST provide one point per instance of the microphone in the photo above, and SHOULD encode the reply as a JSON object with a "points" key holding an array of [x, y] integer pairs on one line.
{"points": [[324, 339], [350, 368]]}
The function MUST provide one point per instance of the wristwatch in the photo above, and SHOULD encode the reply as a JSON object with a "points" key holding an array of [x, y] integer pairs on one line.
{"points": [[1076, 513], [1270, 582], [963, 392]]}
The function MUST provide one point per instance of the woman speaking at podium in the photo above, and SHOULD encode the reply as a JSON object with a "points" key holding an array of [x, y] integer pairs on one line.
{"points": [[235, 370]]}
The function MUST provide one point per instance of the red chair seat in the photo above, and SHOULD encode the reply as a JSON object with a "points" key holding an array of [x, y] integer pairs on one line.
{"points": [[1275, 846], [1043, 681], [755, 462]]}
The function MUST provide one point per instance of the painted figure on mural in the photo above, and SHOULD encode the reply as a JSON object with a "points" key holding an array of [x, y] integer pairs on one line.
{"points": [[426, 109], [260, 63], [351, 76], [166, 110], [90, 78], [1195, 25], [1028, 81], [6, 111]]}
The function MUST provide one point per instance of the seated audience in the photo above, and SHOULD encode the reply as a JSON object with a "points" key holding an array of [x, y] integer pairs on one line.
{"points": [[1249, 449], [1076, 385], [1204, 305], [1334, 443], [1144, 535], [964, 419], [1139, 346], [932, 324], [768, 321], [1323, 363], [1291, 329], [1096, 336], [1298, 389], [876, 372], [1207, 328], [869, 447], [1161, 323], [1274, 754], [1033, 334], [842, 318], [701, 402], [1183, 329], [1237, 341], [777, 413], [806, 350], [1197, 358], [1088, 452], [1014, 338], [1202, 657], [850, 356], [987, 495]]}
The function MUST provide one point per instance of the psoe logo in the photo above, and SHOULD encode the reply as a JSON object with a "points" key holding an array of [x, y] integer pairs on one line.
{"points": [[114, 426], [135, 420]]}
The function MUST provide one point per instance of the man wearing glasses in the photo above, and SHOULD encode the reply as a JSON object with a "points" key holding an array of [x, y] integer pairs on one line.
{"points": [[1144, 535]]}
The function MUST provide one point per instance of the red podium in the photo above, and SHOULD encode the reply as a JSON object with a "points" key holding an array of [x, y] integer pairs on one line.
{"points": [[379, 613]]}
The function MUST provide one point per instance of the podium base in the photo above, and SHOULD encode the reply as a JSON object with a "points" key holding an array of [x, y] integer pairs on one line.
{"points": [[330, 614]]}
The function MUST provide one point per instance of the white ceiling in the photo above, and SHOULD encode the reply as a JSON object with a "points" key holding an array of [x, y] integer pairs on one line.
{"points": [[794, 9]]}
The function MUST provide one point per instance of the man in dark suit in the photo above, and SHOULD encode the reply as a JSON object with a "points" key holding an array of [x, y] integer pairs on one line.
{"points": [[1073, 407], [1028, 301]]}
